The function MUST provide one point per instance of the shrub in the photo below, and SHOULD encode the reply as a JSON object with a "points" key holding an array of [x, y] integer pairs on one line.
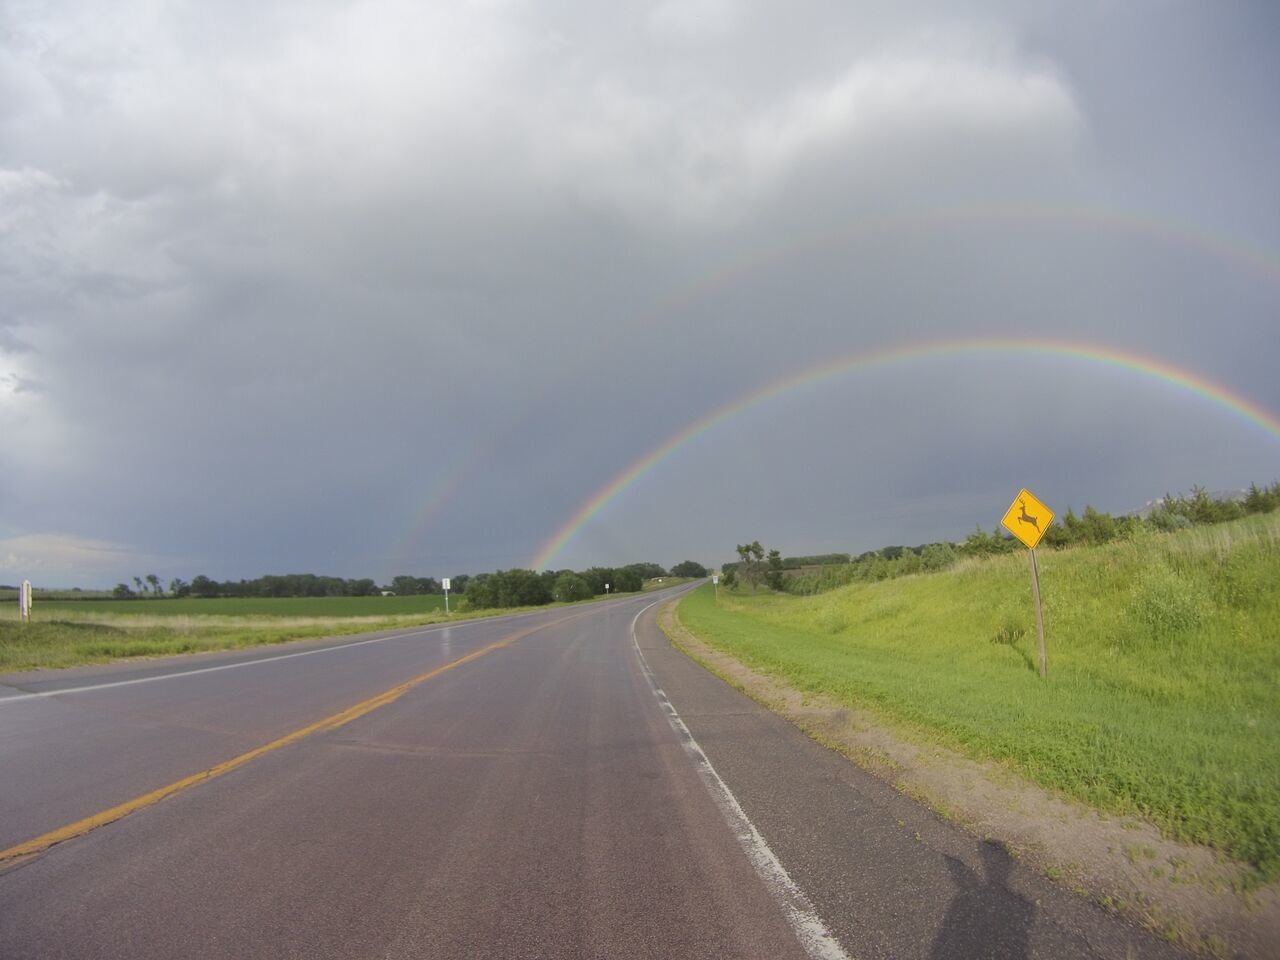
{"points": [[1166, 603]]}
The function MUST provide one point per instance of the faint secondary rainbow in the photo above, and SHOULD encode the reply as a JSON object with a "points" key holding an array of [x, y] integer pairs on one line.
{"points": [[1095, 353], [1249, 258]]}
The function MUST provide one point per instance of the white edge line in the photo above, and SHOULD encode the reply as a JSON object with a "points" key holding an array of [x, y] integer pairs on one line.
{"points": [[43, 694], [814, 936]]}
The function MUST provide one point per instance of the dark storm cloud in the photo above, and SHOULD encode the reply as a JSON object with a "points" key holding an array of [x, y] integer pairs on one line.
{"points": [[276, 282]]}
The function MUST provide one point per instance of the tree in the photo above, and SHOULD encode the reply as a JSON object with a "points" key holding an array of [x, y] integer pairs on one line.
{"points": [[481, 593], [752, 555], [404, 586], [1202, 505], [1262, 500], [627, 580], [1056, 536], [688, 568], [570, 587], [647, 571], [909, 562], [938, 556], [271, 586], [1098, 527], [816, 560], [179, 587], [983, 544], [122, 592], [137, 582], [507, 588], [202, 586], [774, 576], [549, 578], [524, 588], [597, 577]]}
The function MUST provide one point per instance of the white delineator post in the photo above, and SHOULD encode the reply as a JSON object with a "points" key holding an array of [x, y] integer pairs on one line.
{"points": [[445, 583], [24, 601]]}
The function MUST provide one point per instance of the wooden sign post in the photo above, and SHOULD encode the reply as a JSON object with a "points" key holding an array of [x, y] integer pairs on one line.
{"points": [[1035, 592], [1027, 519]]}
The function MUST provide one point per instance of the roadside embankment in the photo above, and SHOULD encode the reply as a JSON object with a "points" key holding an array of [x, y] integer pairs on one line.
{"points": [[1145, 771]]}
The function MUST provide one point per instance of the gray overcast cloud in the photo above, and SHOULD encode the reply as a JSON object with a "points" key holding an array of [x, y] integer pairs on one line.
{"points": [[377, 288]]}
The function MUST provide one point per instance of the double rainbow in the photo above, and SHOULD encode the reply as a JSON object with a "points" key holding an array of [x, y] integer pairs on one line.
{"points": [[1246, 258], [1092, 353]]}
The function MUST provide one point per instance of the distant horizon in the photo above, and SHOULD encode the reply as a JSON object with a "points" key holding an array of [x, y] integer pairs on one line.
{"points": [[1226, 493]]}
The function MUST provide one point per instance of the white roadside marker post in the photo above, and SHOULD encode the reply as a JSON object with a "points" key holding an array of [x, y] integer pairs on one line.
{"points": [[445, 583], [24, 601]]}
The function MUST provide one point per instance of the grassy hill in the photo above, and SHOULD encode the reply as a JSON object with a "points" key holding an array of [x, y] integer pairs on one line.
{"points": [[1163, 694]]}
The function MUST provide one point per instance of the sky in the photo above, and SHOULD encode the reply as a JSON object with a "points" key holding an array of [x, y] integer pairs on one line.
{"points": [[365, 289]]}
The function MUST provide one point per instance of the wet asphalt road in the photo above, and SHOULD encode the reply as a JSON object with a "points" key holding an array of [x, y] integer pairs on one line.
{"points": [[535, 801]]}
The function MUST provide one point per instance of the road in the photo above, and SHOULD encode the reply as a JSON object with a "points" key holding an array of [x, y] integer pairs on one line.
{"points": [[560, 784]]}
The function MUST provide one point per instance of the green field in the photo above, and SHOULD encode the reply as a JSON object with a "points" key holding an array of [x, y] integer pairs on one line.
{"points": [[1163, 694], [71, 633]]}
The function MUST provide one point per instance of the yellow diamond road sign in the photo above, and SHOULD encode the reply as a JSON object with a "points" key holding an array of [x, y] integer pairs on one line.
{"points": [[1027, 519]]}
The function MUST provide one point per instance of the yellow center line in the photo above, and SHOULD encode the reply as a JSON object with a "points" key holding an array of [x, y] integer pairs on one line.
{"points": [[37, 845]]}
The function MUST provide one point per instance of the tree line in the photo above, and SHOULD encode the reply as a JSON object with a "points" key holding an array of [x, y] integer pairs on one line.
{"points": [[525, 588], [274, 585], [503, 588], [1094, 527]]}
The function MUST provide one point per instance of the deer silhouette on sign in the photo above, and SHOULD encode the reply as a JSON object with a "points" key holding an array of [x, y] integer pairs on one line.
{"points": [[1026, 517]]}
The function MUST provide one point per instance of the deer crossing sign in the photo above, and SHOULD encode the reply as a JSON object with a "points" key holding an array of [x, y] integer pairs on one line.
{"points": [[1027, 519]]}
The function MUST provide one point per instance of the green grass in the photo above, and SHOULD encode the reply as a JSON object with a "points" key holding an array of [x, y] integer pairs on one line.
{"points": [[83, 632], [53, 644], [1163, 694]]}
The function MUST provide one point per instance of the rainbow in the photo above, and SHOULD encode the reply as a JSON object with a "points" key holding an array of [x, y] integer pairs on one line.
{"points": [[1242, 256], [1094, 353]]}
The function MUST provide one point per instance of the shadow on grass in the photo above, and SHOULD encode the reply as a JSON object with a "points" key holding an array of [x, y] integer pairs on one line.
{"points": [[1008, 636]]}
